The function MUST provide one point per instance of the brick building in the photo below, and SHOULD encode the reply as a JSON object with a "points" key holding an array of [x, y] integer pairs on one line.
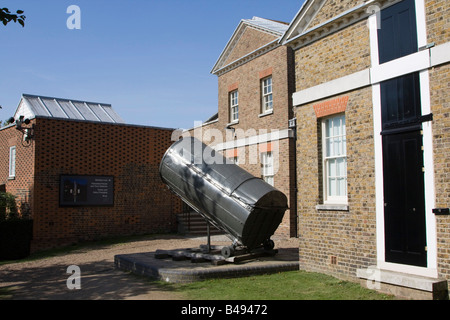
{"points": [[372, 109], [255, 84], [83, 174]]}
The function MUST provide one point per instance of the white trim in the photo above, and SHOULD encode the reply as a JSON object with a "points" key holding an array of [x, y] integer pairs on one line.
{"points": [[429, 183], [297, 37], [12, 162], [379, 197], [267, 167], [351, 82], [261, 138], [431, 270], [264, 83], [200, 124], [419, 61], [333, 200], [219, 68], [404, 268], [373, 38], [332, 207], [408, 64], [268, 113], [401, 279], [234, 106], [24, 109], [440, 54], [421, 23], [246, 58], [302, 19]]}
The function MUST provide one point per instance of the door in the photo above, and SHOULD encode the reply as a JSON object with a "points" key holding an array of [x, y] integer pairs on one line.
{"points": [[403, 176], [404, 211]]}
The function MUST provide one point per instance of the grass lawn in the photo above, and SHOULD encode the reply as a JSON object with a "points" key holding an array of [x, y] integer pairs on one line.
{"points": [[293, 285]]}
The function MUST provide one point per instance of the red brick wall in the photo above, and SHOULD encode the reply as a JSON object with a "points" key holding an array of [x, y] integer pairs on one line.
{"points": [[131, 154], [22, 184], [247, 79]]}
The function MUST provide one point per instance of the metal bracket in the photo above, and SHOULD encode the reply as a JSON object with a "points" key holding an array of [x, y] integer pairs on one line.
{"points": [[441, 211], [426, 118]]}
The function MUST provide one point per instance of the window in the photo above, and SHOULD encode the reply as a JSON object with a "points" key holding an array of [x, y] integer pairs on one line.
{"points": [[267, 167], [12, 162], [334, 160], [234, 106], [266, 90]]}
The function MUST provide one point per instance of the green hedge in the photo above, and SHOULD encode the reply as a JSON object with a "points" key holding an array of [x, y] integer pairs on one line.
{"points": [[15, 237], [8, 206]]}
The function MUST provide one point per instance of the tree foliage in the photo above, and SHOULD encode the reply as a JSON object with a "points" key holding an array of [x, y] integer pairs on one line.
{"points": [[6, 16], [8, 206]]}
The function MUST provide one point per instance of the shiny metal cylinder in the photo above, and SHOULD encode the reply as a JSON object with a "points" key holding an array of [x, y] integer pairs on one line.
{"points": [[245, 207]]}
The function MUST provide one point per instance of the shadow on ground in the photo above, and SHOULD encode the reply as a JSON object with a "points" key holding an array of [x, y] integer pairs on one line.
{"points": [[98, 280]]}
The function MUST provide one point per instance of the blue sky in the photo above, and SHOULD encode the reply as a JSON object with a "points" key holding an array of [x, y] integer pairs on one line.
{"points": [[150, 59]]}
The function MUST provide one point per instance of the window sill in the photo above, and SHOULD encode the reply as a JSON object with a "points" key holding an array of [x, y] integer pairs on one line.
{"points": [[267, 113], [332, 207], [232, 123], [12, 178]]}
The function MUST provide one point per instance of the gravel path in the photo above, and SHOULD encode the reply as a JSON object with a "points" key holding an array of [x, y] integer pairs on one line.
{"points": [[46, 279]]}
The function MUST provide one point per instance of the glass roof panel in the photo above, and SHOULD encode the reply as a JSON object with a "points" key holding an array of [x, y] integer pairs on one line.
{"points": [[37, 107], [85, 111], [109, 110], [99, 112], [54, 109], [70, 110]]}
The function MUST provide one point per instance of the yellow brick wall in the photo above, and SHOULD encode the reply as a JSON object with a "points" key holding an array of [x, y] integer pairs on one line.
{"points": [[340, 54]]}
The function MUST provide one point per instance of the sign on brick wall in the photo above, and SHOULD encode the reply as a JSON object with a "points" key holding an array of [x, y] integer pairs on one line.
{"points": [[86, 191]]}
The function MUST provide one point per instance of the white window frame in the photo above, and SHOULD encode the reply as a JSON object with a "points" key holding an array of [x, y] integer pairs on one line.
{"points": [[234, 106], [266, 94], [12, 161], [340, 140], [267, 167]]}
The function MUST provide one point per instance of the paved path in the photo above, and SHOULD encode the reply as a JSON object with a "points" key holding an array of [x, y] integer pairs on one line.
{"points": [[46, 279]]}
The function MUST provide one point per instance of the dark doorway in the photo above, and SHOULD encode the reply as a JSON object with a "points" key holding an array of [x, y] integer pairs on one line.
{"points": [[403, 177], [404, 196], [404, 211]]}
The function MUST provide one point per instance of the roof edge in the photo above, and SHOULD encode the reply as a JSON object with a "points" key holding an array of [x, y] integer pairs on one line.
{"points": [[64, 99], [236, 35]]}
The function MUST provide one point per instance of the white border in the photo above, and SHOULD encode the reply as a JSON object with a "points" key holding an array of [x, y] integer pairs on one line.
{"points": [[274, 135], [347, 83], [396, 68]]}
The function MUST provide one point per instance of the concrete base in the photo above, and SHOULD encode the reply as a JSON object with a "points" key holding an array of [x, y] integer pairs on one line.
{"points": [[404, 285], [186, 271]]}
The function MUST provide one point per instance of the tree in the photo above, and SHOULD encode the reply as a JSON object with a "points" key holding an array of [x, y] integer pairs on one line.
{"points": [[6, 16]]}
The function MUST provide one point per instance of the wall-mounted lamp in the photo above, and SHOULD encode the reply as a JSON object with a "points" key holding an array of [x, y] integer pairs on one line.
{"points": [[232, 130], [28, 133]]}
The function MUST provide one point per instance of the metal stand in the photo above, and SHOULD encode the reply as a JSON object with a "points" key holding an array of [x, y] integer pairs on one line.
{"points": [[208, 248], [218, 255]]}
